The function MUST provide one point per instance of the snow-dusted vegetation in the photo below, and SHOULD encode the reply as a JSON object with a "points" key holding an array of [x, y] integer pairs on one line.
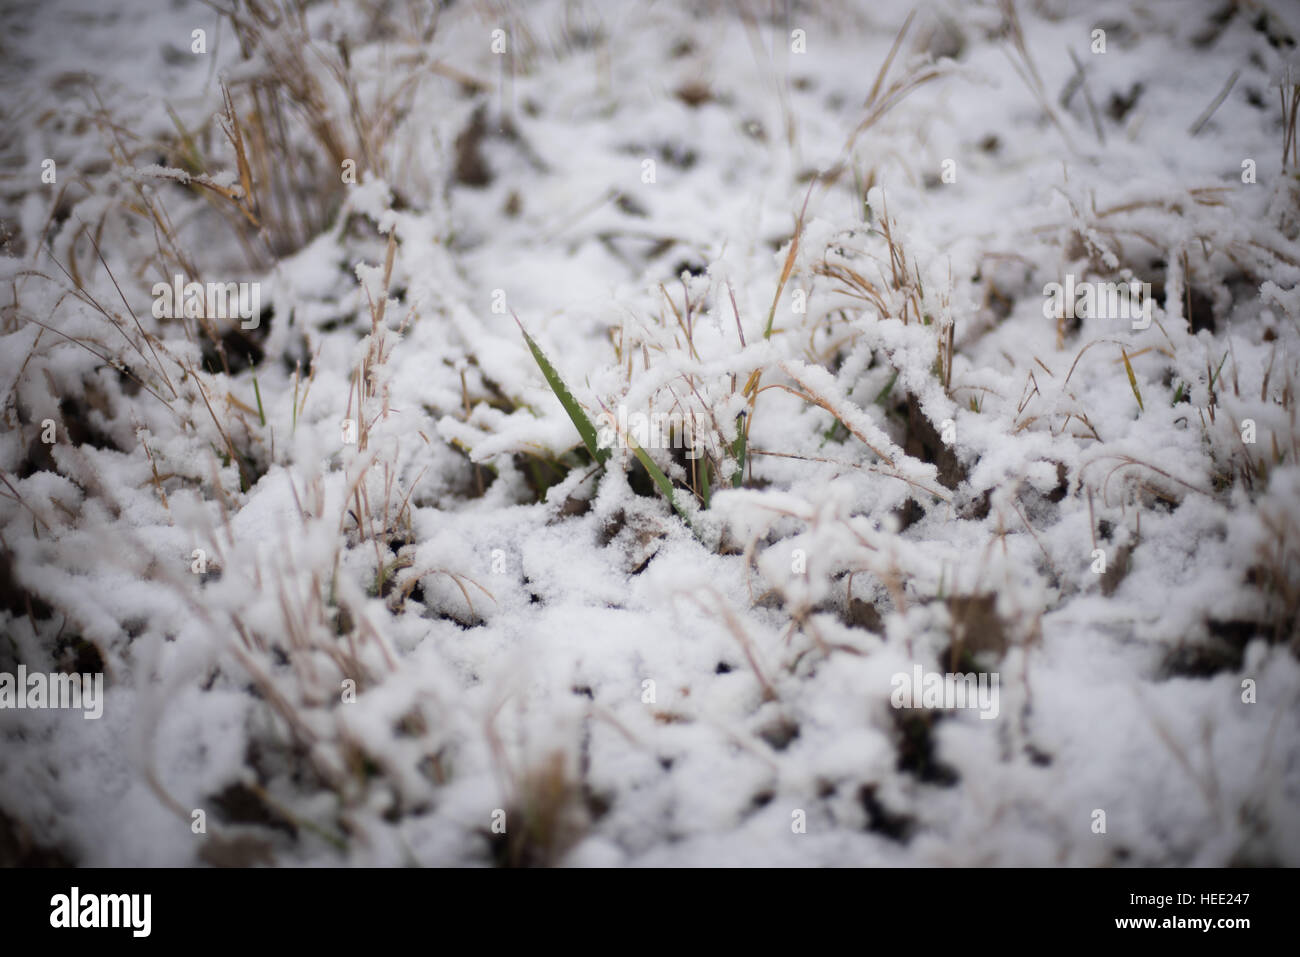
{"points": [[704, 433]]}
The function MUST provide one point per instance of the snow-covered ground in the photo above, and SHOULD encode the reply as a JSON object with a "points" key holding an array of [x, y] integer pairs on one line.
{"points": [[362, 595]]}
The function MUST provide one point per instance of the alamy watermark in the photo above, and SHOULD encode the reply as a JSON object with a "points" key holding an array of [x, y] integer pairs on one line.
{"points": [[654, 430], [37, 690], [922, 689], [214, 300], [75, 909], [1099, 300]]}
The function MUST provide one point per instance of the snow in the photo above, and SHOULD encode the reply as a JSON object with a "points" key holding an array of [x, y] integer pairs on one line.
{"points": [[457, 613]]}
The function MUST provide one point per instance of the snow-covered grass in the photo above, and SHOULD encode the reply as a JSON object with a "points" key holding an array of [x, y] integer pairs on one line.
{"points": [[364, 591]]}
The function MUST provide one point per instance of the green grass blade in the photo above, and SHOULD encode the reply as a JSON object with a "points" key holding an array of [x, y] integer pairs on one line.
{"points": [[889, 387], [660, 479], [588, 431], [258, 392], [738, 449], [576, 412], [1215, 377]]}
